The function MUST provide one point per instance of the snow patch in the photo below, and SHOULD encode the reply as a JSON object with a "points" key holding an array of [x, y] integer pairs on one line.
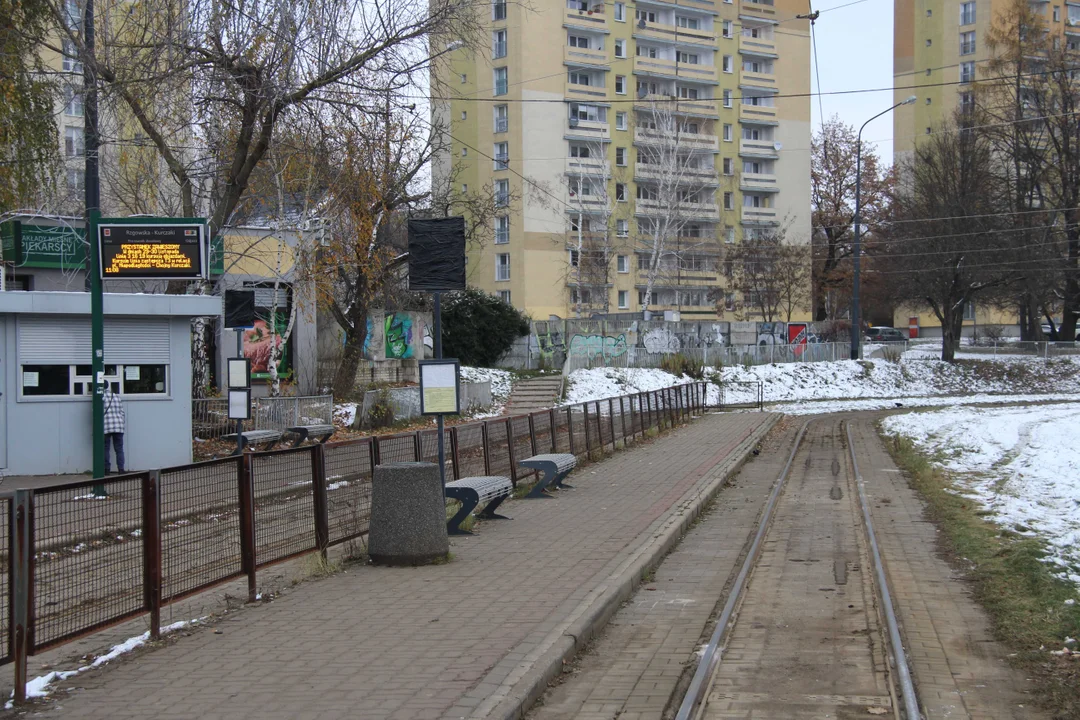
{"points": [[1021, 464], [600, 383]]}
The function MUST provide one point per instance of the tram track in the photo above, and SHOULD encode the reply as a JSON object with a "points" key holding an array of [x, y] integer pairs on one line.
{"points": [[803, 631]]}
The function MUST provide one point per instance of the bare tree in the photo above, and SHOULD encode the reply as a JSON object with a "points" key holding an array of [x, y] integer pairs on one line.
{"points": [[832, 197], [1026, 102], [676, 184], [948, 246], [772, 274]]}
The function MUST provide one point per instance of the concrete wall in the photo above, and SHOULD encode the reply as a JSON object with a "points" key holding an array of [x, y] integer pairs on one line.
{"points": [[50, 436], [406, 401]]}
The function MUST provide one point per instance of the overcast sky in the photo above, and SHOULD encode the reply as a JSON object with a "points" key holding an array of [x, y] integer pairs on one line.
{"points": [[854, 47]]}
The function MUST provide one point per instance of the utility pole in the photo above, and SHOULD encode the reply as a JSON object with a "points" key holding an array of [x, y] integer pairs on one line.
{"points": [[92, 143]]}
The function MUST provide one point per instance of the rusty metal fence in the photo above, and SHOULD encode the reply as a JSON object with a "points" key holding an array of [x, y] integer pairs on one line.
{"points": [[83, 556]]}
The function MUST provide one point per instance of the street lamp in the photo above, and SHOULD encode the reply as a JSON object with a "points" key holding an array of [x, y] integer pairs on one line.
{"points": [[856, 329]]}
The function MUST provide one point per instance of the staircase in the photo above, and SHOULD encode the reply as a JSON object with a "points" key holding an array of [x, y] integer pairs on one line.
{"points": [[534, 394]]}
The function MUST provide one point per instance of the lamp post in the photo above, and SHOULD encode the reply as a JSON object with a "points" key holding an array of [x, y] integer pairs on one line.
{"points": [[856, 329]]}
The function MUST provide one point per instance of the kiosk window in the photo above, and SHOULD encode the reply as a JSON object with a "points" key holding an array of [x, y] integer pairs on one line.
{"points": [[78, 380]]}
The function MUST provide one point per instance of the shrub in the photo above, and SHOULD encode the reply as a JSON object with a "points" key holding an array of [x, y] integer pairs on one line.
{"points": [[479, 328], [679, 364]]}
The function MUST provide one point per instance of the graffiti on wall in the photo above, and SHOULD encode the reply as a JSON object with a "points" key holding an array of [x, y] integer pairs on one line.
{"points": [[661, 340], [798, 335], [549, 339], [366, 347], [398, 336], [608, 346], [770, 333]]}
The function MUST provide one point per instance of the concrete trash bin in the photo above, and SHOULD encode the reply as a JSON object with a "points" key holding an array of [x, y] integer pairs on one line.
{"points": [[408, 515]]}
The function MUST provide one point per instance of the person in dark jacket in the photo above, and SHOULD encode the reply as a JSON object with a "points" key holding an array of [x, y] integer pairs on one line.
{"points": [[115, 422]]}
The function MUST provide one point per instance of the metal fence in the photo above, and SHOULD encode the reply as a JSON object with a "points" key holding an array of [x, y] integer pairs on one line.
{"points": [[82, 556], [210, 416], [717, 356]]}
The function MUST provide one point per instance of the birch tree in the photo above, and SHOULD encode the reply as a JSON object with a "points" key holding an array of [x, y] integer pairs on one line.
{"points": [[591, 237], [675, 188]]}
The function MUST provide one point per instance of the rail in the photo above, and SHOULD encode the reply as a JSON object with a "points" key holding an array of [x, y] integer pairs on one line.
{"points": [[82, 556], [692, 705]]}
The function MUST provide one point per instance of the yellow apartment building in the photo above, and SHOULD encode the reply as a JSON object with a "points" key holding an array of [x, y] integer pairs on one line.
{"points": [[939, 52], [587, 117]]}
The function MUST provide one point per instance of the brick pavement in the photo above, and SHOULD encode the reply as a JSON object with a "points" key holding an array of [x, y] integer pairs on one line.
{"points": [[959, 669], [471, 638]]}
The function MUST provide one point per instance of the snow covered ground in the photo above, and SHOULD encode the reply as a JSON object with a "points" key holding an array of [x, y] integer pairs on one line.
{"points": [[501, 382], [1021, 464], [600, 383]]}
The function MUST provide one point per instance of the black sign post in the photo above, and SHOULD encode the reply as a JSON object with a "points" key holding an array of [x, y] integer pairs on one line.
{"points": [[437, 264]]}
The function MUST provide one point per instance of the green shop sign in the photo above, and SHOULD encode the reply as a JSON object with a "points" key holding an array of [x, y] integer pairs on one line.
{"points": [[43, 246]]}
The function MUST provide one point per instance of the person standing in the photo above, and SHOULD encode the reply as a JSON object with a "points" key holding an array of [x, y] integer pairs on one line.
{"points": [[115, 422]]}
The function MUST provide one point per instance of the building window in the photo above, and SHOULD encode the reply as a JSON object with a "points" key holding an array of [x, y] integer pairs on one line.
{"points": [[729, 167], [729, 235], [929, 42], [502, 156], [620, 11], [498, 10], [620, 48], [620, 156], [579, 151], [71, 58], [464, 152], [502, 230], [74, 144], [967, 43], [464, 78], [927, 101], [73, 101], [464, 114], [1057, 13], [579, 78], [620, 192], [647, 51], [622, 228], [967, 72], [969, 311], [687, 22], [727, 133], [500, 81], [726, 29], [729, 201], [624, 299], [967, 13], [76, 380], [620, 121], [579, 41], [464, 188], [688, 93], [502, 193], [644, 16], [502, 119], [967, 102], [729, 64], [504, 295], [620, 84], [727, 98], [929, 13], [498, 44], [688, 58], [622, 263], [502, 266]]}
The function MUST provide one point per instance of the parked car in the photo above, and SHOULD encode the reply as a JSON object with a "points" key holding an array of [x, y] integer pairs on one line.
{"points": [[885, 334]]}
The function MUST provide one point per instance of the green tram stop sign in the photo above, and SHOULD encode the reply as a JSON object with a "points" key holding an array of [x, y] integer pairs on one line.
{"points": [[152, 249]]}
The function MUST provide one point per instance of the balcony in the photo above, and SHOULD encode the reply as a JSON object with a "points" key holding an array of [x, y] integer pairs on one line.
{"points": [[759, 216], [589, 19], [695, 211], [757, 114], [670, 68], [758, 148], [694, 141], [758, 182], [583, 56], [756, 46], [758, 79], [696, 177], [757, 10], [588, 93], [586, 204], [703, 106], [592, 166], [589, 129], [670, 33]]}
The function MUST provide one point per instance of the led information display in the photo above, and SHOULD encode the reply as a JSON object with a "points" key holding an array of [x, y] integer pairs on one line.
{"points": [[148, 251]]}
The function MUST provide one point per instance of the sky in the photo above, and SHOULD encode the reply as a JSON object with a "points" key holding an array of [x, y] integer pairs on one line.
{"points": [[854, 49]]}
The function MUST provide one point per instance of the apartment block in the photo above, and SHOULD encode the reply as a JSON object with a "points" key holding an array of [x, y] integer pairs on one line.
{"points": [[602, 126]]}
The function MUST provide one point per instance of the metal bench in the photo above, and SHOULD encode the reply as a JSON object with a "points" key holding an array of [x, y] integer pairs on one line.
{"points": [[303, 432], [555, 467], [470, 492], [268, 438]]}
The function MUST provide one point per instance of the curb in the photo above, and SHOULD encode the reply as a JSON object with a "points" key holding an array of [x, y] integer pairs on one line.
{"points": [[594, 612]]}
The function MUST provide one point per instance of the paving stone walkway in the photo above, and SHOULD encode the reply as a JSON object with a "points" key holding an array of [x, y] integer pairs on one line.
{"points": [[467, 639]]}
